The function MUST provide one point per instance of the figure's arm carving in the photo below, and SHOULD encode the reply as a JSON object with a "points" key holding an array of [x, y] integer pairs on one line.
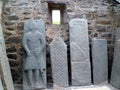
{"points": [[43, 42], [25, 45]]}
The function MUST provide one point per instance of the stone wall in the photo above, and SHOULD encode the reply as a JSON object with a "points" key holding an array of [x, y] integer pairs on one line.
{"points": [[102, 15]]}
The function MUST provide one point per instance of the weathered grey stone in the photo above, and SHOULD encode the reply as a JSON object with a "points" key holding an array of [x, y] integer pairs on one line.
{"points": [[80, 72], [1, 86], [4, 65], [75, 57], [115, 74], [38, 7], [58, 52], [34, 63], [80, 61], [99, 60]]}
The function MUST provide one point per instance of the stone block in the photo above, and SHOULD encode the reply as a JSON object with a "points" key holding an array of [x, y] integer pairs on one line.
{"points": [[14, 17]]}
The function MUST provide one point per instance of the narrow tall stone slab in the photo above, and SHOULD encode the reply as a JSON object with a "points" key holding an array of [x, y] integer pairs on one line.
{"points": [[58, 52], [99, 60], [79, 49], [34, 55], [4, 65], [1, 86], [115, 74]]}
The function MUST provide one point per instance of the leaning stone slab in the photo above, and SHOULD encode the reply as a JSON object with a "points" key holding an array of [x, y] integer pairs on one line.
{"points": [[34, 55], [115, 74], [99, 60], [4, 65], [1, 86], [58, 52], [79, 49]]}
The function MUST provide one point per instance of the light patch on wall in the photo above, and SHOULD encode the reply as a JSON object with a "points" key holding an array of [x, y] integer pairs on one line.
{"points": [[56, 17]]}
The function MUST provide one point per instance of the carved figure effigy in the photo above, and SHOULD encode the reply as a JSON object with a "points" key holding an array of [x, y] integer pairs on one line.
{"points": [[34, 63]]}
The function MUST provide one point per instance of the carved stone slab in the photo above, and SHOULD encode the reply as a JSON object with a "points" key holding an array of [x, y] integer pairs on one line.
{"points": [[4, 65], [79, 49], [115, 74], [1, 86], [99, 60], [58, 52], [40, 27]]}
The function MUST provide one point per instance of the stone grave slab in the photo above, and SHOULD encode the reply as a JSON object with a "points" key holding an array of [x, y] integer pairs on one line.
{"points": [[79, 49], [4, 65], [115, 74], [1, 86], [34, 55], [58, 52], [99, 61]]}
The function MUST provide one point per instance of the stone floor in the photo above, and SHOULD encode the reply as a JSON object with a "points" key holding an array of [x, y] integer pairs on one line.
{"points": [[97, 87], [104, 86]]}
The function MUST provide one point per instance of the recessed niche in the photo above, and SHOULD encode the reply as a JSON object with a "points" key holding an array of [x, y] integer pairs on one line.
{"points": [[56, 12]]}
